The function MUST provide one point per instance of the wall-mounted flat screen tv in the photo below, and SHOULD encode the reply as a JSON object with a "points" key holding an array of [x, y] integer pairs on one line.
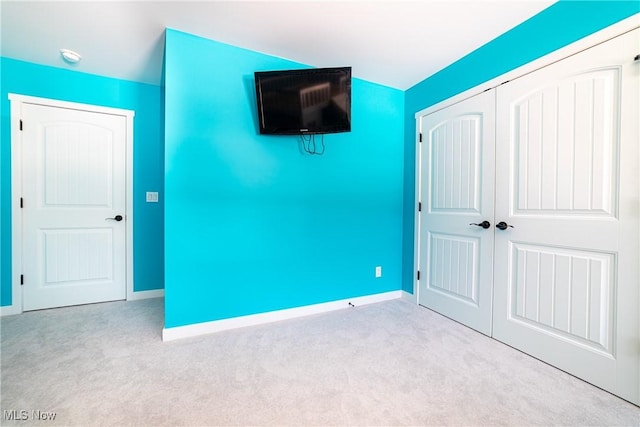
{"points": [[309, 101]]}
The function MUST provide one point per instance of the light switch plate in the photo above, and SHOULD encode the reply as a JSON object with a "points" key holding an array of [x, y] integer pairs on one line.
{"points": [[152, 197], [379, 271]]}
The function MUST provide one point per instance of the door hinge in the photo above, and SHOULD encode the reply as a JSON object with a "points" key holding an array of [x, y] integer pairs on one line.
{"points": [[20, 124], [21, 279], [419, 206], [21, 202], [420, 136], [418, 275]]}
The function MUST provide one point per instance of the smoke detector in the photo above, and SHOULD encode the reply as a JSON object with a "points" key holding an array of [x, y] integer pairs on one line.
{"points": [[70, 57]]}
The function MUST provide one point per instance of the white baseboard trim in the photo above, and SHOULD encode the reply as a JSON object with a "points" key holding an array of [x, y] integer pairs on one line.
{"points": [[156, 293], [409, 297], [178, 332], [9, 310]]}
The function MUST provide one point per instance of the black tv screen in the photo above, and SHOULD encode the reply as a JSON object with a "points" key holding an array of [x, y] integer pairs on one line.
{"points": [[308, 101]]}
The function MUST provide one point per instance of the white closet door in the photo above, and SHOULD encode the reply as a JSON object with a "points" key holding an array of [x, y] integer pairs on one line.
{"points": [[456, 190], [566, 274]]}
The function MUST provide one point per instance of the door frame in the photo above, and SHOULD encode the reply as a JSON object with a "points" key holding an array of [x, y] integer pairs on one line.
{"points": [[16, 101], [584, 43]]}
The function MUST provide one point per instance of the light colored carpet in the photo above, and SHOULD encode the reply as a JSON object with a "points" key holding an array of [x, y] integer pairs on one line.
{"points": [[391, 363]]}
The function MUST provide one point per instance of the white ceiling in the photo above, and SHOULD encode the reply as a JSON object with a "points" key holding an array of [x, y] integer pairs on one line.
{"points": [[394, 43]]}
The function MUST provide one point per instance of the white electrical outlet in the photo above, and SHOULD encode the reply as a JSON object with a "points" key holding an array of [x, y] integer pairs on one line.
{"points": [[152, 197], [379, 271]]}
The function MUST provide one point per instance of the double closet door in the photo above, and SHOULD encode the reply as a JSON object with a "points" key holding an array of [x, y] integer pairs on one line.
{"points": [[529, 230]]}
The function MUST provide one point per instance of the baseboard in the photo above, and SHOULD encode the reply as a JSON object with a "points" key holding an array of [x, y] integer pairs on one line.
{"points": [[170, 334], [155, 293], [9, 310], [409, 297]]}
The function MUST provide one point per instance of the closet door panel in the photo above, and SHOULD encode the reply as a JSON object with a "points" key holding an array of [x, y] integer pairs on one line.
{"points": [[566, 266], [456, 190]]}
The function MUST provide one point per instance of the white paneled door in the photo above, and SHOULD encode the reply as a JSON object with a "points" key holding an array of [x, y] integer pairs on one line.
{"points": [[456, 190], [73, 215], [561, 253], [566, 266]]}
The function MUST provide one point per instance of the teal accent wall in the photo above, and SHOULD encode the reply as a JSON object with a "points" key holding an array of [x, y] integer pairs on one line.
{"points": [[252, 223], [30, 79], [559, 25]]}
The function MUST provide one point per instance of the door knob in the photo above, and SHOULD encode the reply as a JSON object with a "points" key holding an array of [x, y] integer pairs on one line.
{"points": [[483, 224], [116, 218], [503, 225]]}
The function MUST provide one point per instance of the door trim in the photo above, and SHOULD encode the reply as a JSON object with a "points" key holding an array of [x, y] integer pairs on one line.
{"points": [[601, 36], [16, 101], [416, 209]]}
